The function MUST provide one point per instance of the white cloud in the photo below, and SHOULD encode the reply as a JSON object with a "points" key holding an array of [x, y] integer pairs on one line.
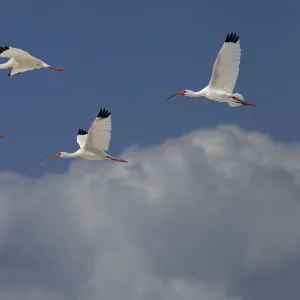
{"points": [[208, 216]]}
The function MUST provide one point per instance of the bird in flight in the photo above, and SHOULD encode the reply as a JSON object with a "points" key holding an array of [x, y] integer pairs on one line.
{"points": [[224, 76], [93, 142], [21, 61]]}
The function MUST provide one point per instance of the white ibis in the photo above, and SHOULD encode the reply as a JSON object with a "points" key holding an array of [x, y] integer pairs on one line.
{"points": [[224, 76], [21, 61], [94, 142]]}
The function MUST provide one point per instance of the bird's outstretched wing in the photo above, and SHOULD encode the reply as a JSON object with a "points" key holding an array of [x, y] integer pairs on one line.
{"points": [[81, 137], [99, 134], [226, 66], [10, 52]]}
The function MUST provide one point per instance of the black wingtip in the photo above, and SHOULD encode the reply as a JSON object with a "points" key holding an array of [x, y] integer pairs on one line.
{"points": [[2, 49], [103, 114], [232, 38], [82, 132]]}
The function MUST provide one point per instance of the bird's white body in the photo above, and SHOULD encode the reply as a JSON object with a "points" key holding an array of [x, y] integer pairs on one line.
{"points": [[215, 94], [224, 76], [90, 155], [210, 93], [21, 61], [84, 153], [94, 142]]}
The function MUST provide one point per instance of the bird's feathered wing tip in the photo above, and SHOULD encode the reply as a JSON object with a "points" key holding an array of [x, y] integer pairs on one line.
{"points": [[103, 114], [2, 49], [82, 132], [232, 38]]}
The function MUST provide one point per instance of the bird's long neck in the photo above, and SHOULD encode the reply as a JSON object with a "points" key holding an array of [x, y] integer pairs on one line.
{"points": [[198, 94], [195, 94], [8, 64], [71, 155]]}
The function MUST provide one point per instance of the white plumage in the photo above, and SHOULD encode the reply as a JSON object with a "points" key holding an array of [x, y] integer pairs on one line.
{"points": [[10, 52], [99, 134], [94, 142], [226, 67], [22, 61], [224, 76], [81, 137]]}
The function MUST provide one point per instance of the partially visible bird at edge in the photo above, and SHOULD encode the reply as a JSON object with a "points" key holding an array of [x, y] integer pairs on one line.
{"points": [[21, 61]]}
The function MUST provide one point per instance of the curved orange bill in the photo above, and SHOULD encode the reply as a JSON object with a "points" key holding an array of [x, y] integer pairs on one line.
{"points": [[177, 94], [51, 157], [57, 69]]}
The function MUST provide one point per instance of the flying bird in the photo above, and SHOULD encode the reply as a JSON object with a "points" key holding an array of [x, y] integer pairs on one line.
{"points": [[22, 61], [93, 142], [224, 76]]}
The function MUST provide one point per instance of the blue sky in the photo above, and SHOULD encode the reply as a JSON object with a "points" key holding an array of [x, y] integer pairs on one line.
{"points": [[127, 56]]}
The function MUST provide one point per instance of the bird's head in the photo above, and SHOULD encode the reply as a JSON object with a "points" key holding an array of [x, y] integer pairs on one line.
{"points": [[57, 155], [182, 93]]}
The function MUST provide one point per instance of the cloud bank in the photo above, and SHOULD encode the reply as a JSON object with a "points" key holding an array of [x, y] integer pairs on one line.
{"points": [[213, 215]]}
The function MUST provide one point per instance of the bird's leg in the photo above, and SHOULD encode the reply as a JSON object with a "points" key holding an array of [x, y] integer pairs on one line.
{"points": [[115, 159], [239, 101], [56, 69]]}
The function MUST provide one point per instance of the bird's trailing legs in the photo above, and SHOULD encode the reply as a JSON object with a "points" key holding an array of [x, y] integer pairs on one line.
{"points": [[57, 69], [115, 159], [239, 101]]}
